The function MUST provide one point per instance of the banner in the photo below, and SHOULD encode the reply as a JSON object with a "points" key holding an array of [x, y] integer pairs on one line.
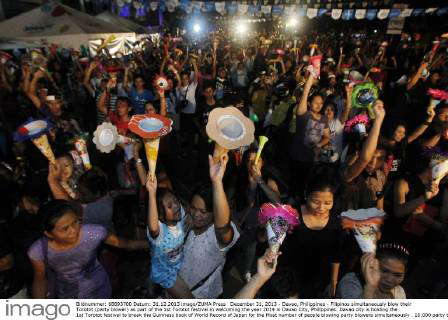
{"points": [[311, 13], [394, 13], [242, 8], [277, 10], [336, 14], [266, 9], [348, 14], [347, 10], [231, 7], [383, 14], [220, 7], [395, 25], [321, 12], [360, 14], [406, 13]]}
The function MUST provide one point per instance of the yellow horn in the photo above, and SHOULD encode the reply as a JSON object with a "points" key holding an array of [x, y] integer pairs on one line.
{"points": [[262, 141]]}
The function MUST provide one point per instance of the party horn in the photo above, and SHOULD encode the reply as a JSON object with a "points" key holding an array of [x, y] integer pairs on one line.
{"points": [[152, 151], [81, 147], [313, 49], [262, 141], [44, 146]]}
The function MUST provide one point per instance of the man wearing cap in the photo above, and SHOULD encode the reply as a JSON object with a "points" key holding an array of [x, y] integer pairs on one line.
{"points": [[52, 107]]}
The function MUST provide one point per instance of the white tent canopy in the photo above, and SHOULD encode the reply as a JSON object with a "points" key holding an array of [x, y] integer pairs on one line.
{"points": [[125, 23], [55, 23], [7, 43]]}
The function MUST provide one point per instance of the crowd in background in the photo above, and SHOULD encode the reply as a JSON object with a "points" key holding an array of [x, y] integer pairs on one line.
{"points": [[67, 232]]}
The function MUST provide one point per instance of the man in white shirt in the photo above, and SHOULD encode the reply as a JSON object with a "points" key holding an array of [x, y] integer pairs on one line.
{"points": [[186, 98], [212, 236]]}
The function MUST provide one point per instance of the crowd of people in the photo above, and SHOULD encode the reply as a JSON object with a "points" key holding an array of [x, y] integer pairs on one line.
{"points": [[69, 232]]}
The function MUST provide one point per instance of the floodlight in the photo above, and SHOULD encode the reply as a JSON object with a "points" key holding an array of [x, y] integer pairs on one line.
{"points": [[196, 27]]}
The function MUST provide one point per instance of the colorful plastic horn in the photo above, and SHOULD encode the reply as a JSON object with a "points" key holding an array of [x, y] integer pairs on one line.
{"points": [[262, 141], [313, 49]]}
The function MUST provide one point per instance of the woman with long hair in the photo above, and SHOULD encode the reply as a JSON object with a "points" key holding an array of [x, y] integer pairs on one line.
{"points": [[65, 259]]}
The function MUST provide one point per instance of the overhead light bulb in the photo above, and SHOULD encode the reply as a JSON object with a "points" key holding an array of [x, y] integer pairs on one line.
{"points": [[196, 28]]}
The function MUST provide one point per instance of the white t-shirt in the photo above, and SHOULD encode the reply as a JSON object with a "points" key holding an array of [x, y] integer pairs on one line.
{"points": [[202, 256], [336, 136], [190, 96]]}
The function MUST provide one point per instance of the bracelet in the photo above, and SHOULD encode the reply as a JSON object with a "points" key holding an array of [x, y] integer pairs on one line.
{"points": [[426, 123], [138, 161]]}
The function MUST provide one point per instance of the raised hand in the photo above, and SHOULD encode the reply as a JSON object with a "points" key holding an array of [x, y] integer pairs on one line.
{"points": [[218, 168], [378, 109], [370, 267], [267, 264], [432, 190], [54, 171], [151, 184]]}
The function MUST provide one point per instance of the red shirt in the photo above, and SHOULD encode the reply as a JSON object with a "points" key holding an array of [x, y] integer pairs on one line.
{"points": [[122, 126]]}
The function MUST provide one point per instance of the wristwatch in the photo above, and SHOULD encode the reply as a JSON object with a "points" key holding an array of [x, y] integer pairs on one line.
{"points": [[138, 161]]}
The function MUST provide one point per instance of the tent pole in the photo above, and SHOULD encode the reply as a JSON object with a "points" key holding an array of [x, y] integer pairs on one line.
{"points": [[2, 13], [82, 5]]}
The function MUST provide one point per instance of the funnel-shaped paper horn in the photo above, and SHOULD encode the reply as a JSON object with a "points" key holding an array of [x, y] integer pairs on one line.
{"points": [[218, 152], [81, 147], [315, 62], [366, 236], [439, 170], [365, 225], [44, 146], [152, 150], [262, 142]]}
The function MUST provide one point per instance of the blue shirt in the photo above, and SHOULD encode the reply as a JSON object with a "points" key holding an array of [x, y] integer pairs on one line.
{"points": [[139, 100], [167, 252]]}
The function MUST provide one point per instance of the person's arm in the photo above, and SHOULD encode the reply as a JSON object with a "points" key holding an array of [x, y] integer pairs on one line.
{"points": [[102, 102], [127, 244], [153, 215], [126, 82], [39, 287], [57, 190], [341, 57], [87, 76], [413, 81], [303, 104], [266, 266], [422, 128], [196, 70], [369, 146], [176, 74], [432, 142], [334, 278], [26, 74], [162, 102], [348, 104], [32, 89], [139, 163], [4, 79], [270, 189], [444, 209], [403, 207], [221, 211], [325, 139], [371, 272], [162, 66], [282, 65]]}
